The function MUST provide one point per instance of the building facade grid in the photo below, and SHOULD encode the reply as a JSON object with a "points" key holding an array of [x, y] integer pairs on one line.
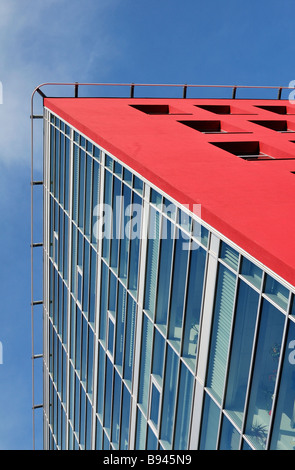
{"points": [[149, 345]]}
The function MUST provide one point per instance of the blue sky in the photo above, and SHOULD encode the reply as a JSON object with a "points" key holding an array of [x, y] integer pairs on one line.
{"points": [[116, 41]]}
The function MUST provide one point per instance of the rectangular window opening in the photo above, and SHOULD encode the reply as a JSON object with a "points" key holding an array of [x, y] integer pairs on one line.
{"points": [[250, 151], [278, 126]]}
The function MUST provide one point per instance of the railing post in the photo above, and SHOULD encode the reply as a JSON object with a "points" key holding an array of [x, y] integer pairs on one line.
{"points": [[279, 93], [76, 89]]}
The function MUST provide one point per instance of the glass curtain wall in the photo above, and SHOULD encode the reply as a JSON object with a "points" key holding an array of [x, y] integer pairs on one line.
{"points": [[98, 382]]}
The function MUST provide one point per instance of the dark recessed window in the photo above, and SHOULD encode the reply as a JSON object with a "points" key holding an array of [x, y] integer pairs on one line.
{"points": [[217, 109], [279, 126], [274, 109], [152, 108], [246, 150], [208, 127]]}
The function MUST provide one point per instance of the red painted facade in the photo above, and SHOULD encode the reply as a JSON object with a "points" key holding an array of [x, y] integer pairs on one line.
{"points": [[251, 202]]}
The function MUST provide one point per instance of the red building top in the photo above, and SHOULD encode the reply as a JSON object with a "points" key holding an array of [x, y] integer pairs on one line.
{"points": [[234, 157]]}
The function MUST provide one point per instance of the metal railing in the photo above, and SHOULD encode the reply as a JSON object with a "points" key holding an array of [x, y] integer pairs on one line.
{"points": [[184, 89]]}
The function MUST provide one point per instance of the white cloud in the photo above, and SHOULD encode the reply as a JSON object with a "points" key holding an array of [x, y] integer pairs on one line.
{"points": [[50, 41]]}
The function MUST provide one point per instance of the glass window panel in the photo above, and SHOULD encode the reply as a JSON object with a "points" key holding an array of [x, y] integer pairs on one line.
{"points": [[89, 147], [141, 426], [88, 194], [251, 272], [120, 326], [145, 366], [75, 183], [116, 411], [158, 356], [88, 425], [93, 279], [178, 290], [118, 168], [77, 405], [200, 233], [127, 176], [152, 262], [152, 441], [79, 286], [66, 250], [73, 329], [241, 351], [230, 437], [57, 163], [51, 236], [276, 292], [112, 292], [109, 395], [156, 197], [155, 405], [210, 423], [81, 197], [184, 221], [78, 339], [193, 305], [117, 200], [95, 202], [61, 240], [103, 302], [82, 419], [96, 153], [220, 335], [292, 311], [107, 217], [62, 168], [111, 328], [138, 184], [264, 375], [283, 434], [84, 350], [98, 438], [65, 315], [184, 409], [100, 381], [71, 394], [167, 236], [86, 279], [109, 162], [135, 243], [74, 259], [229, 255], [125, 419], [125, 237], [90, 361], [82, 142], [169, 209], [169, 397], [52, 159], [129, 340]]}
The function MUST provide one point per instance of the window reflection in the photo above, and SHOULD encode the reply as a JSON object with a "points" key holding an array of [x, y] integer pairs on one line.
{"points": [[265, 373], [284, 425], [243, 336]]}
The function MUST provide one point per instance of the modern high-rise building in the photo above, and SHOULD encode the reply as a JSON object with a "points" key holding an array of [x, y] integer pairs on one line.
{"points": [[169, 273]]}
